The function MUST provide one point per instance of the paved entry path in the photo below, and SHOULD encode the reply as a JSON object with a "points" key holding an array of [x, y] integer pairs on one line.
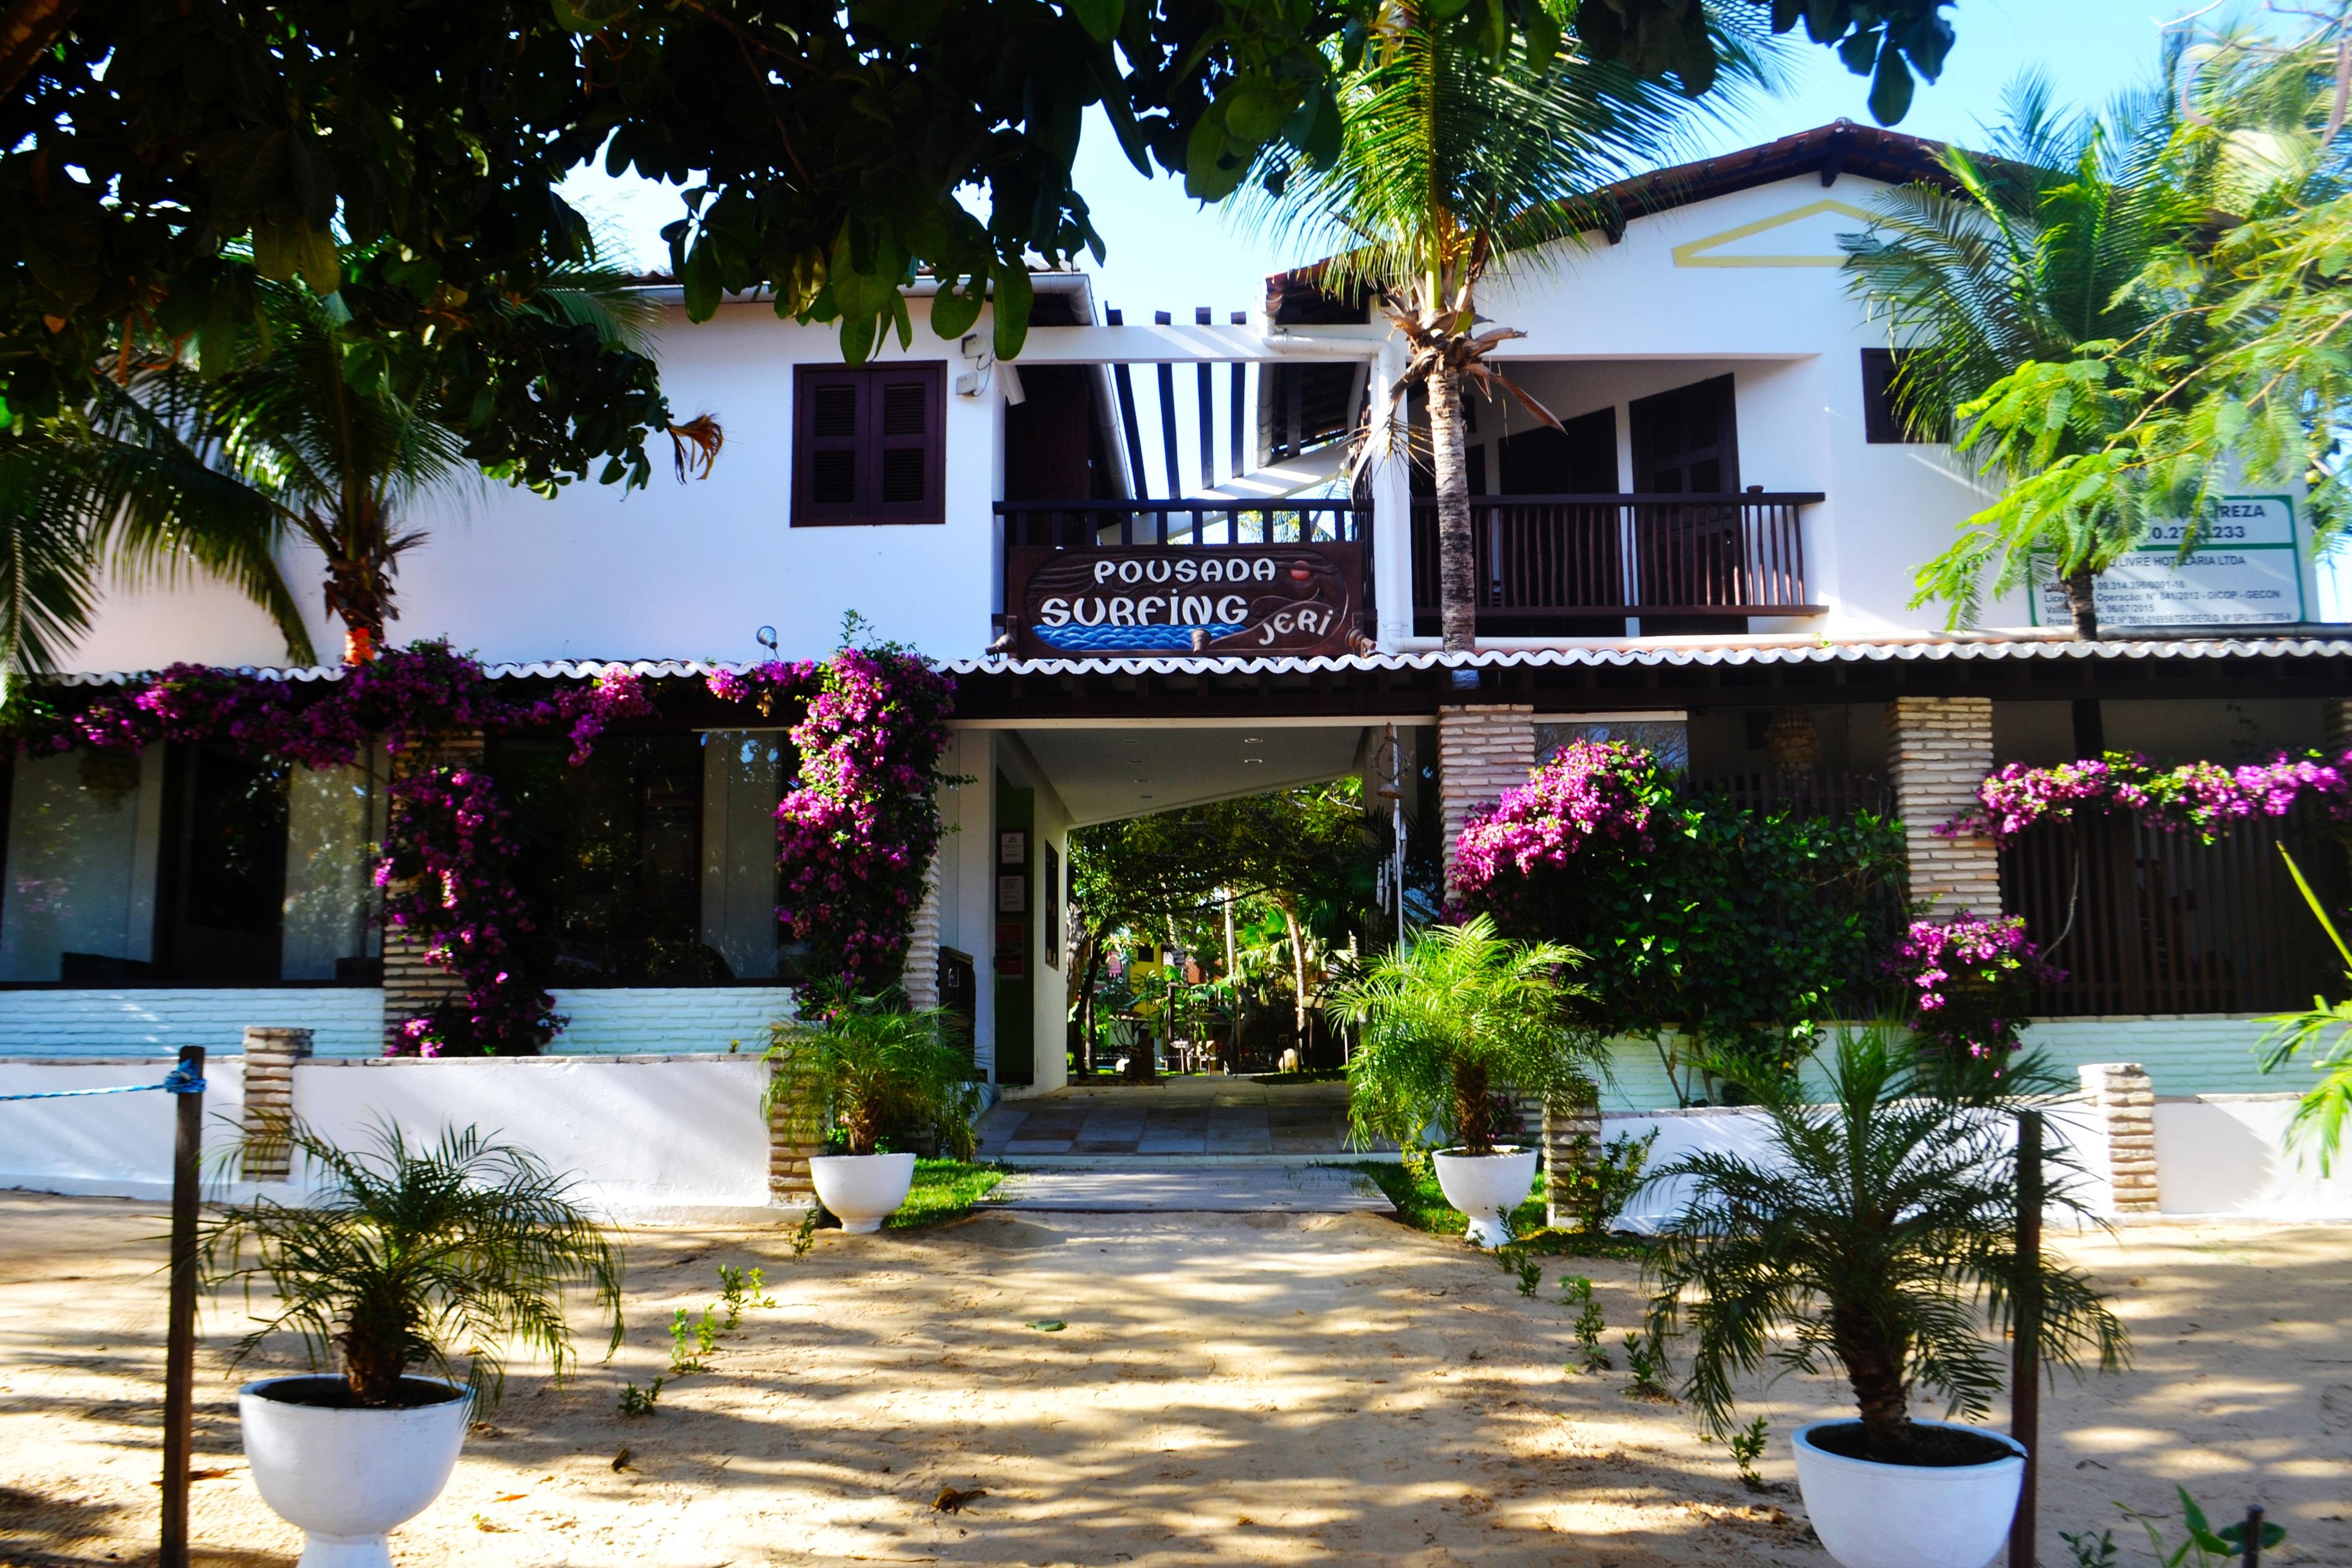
{"points": [[1214, 1116], [1209, 1189]]}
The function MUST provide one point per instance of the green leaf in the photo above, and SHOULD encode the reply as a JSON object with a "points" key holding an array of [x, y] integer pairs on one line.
{"points": [[1542, 33], [1049, 1325], [1100, 18], [1890, 86], [1211, 172], [858, 335], [700, 280], [1015, 294], [954, 310], [589, 15]]}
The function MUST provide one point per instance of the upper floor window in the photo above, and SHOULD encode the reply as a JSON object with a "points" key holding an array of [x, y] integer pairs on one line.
{"points": [[866, 444], [1883, 418]]}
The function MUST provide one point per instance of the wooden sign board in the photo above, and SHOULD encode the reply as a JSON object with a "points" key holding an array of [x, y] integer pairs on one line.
{"points": [[1229, 600]]}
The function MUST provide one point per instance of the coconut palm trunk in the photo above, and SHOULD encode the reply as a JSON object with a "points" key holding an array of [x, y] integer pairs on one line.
{"points": [[1457, 555], [2081, 601], [1450, 165]]}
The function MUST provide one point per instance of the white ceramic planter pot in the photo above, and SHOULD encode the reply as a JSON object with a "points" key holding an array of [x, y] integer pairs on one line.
{"points": [[1870, 1515], [861, 1190], [349, 1476], [1487, 1187]]}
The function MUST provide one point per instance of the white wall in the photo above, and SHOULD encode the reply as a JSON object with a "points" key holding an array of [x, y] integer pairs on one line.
{"points": [[1890, 508], [648, 1137], [2228, 1154], [684, 571], [117, 1145], [693, 569]]}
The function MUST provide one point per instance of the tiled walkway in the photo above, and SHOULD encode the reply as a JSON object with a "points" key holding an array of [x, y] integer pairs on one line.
{"points": [[1215, 1116], [1202, 1189]]}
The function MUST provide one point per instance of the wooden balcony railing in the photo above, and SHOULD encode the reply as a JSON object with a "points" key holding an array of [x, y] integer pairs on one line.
{"points": [[1205, 523], [1574, 564]]}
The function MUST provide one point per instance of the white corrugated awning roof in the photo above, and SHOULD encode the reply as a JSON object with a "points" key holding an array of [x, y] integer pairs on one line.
{"points": [[1628, 654], [1698, 652]]}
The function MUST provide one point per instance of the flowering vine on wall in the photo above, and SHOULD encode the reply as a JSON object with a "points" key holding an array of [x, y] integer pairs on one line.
{"points": [[1968, 981], [1596, 795], [2203, 798], [1722, 932], [447, 862], [856, 830]]}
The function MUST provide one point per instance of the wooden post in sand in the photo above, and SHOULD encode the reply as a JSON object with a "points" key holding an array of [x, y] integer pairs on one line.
{"points": [[2025, 1341], [179, 1334]]}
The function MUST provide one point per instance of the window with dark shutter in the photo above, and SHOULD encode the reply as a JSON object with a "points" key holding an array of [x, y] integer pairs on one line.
{"points": [[1884, 422], [867, 444]]}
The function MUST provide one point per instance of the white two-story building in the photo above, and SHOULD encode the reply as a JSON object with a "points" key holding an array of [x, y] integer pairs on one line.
{"points": [[1144, 557]]}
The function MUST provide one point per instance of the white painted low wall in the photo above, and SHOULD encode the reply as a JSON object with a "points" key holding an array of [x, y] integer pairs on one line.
{"points": [[1745, 1133], [647, 1137], [2228, 1154], [117, 1145]]}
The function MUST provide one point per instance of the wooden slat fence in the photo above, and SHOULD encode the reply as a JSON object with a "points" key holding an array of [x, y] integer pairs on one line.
{"points": [[2148, 921]]}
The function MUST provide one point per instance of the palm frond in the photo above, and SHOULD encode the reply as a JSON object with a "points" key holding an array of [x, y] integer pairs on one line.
{"points": [[457, 1249]]}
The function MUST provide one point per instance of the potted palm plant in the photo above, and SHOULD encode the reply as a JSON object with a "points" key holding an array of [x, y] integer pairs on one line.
{"points": [[1877, 1237], [1445, 1020], [858, 1068], [404, 1256]]}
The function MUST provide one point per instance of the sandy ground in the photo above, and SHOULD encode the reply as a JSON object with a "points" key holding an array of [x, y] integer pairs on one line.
{"points": [[1243, 1389]]}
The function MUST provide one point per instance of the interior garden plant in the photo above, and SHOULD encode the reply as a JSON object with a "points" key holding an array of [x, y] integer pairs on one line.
{"points": [[417, 1254], [1876, 1238], [1447, 1016], [863, 1067]]}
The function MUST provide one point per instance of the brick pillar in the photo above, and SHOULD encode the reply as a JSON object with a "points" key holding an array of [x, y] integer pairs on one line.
{"points": [[1481, 752], [270, 1054], [2125, 1100], [921, 978], [2336, 723], [792, 1139], [1938, 750], [1571, 1140], [411, 983]]}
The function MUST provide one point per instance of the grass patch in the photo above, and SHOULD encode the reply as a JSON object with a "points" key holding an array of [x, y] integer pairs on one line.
{"points": [[1311, 1075], [1420, 1203], [944, 1190]]}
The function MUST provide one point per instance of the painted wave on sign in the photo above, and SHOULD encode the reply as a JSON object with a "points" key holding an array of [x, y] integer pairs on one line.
{"points": [[1072, 638]]}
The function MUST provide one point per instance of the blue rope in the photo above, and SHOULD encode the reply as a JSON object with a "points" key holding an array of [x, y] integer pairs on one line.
{"points": [[179, 1081]]}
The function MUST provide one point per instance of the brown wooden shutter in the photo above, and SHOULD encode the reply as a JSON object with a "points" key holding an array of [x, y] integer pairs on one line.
{"points": [[869, 444]]}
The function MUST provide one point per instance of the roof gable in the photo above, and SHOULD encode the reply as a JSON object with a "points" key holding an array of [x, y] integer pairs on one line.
{"points": [[1297, 298]]}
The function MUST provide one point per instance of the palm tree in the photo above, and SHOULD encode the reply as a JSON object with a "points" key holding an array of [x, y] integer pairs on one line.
{"points": [[1449, 169], [307, 435], [868, 1066], [115, 490], [415, 1254], [1877, 1236], [2039, 247], [340, 439], [1446, 1018]]}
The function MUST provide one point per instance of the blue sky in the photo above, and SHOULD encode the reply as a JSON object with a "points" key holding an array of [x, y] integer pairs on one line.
{"points": [[1168, 253]]}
